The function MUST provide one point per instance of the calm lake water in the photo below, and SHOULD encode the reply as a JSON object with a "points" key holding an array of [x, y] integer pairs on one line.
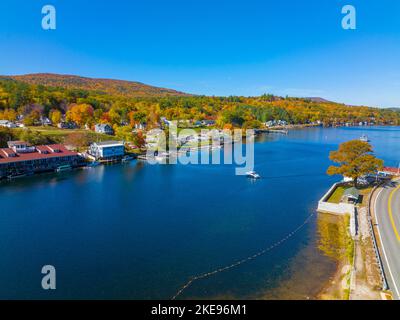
{"points": [[139, 231]]}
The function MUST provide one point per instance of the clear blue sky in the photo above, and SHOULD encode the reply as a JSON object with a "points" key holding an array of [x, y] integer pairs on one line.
{"points": [[214, 47]]}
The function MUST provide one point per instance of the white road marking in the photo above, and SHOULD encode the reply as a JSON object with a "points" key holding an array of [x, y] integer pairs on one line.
{"points": [[383, 247]]}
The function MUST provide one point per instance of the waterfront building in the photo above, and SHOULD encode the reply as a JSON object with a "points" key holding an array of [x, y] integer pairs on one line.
{"points": [[20, 158], [389, 171], [107, 150], [273, 123], [7, 124], [104, 129]]}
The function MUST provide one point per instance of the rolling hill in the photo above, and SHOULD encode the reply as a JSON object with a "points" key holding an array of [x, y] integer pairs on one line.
{"points": [[108, 86]]}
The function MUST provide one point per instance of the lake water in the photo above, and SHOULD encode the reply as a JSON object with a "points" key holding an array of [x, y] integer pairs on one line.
{"points": [[140, 231]]}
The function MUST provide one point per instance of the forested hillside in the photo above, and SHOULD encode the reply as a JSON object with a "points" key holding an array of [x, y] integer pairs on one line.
{"points": [[102, 86], [89, 101]]}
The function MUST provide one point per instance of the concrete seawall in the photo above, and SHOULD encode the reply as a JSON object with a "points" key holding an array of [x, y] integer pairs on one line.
{"points": [[338, 208]]}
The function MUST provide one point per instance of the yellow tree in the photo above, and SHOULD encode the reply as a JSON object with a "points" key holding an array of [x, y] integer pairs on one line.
{"points": [[8, 114], [355, 159], [55, 116]]}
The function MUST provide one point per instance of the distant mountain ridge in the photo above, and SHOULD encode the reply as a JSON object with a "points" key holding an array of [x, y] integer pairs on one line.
{"points": [[319, 100], [108, 86]]}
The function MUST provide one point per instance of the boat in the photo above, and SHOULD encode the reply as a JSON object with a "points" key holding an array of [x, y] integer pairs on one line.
{"points": [[253, 175], [364, 138], [163, 156], [93, 164], [64, 168], [16, 176]]}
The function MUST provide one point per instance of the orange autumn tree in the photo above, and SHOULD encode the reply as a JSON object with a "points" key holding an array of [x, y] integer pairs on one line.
{"points": [[81, 114], [355, 159], [139, 139]]}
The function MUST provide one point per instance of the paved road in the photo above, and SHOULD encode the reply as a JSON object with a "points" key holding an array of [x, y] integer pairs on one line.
{"points": [[387, 212]]}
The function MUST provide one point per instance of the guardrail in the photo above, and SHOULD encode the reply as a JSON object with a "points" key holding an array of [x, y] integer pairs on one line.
{"points": [[372, 232], [353, 271]]}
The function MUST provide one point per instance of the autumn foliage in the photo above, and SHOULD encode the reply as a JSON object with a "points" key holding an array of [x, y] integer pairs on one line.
{"points": [[81, 114], [120, 103], [355, 159]]}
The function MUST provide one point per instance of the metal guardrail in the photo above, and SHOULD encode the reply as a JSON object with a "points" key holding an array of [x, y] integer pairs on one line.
{"points": [[385, 285], [353, 277]]}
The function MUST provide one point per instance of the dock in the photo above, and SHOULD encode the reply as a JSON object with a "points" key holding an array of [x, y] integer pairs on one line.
{"points": [[280, 131]]}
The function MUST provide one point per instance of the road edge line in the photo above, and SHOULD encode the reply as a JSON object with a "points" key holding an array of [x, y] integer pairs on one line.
{"points": [[396, 232], [382, 245]]}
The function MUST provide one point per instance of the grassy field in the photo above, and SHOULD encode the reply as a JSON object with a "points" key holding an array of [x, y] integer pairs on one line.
{"points": [[53, 131], [337, 195], [59, 135]]}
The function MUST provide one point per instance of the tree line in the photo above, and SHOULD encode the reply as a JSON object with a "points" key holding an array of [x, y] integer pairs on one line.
{"points": [[32, 102]]}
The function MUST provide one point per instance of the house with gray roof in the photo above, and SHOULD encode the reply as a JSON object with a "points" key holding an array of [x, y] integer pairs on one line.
{"points": [[104, 129]]}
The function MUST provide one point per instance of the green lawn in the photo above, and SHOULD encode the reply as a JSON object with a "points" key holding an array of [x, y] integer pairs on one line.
{"points": [[53, 131], [337, 195], [59, 135]]}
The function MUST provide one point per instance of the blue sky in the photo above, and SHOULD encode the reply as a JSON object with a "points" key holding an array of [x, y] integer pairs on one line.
{"points": [[219, 47]]}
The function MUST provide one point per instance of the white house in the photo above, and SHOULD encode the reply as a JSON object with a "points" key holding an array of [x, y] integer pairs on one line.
{"points": [[141, 126], [45, 121], [107, 150], [7, 124], [104, 128]]}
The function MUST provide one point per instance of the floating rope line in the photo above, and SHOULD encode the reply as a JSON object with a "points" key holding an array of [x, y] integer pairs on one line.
{"points": [[240, 262]]}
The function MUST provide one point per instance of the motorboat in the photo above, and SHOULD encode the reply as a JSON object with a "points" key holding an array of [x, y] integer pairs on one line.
{"points": [[253, 175], [364, 138]]}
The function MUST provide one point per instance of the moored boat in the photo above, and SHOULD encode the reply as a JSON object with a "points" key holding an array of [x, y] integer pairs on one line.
{"points": [[64, 168], [93, 164]]}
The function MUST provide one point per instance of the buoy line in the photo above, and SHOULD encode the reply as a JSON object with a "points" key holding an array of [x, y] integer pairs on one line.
{"points": [[240, 262]]}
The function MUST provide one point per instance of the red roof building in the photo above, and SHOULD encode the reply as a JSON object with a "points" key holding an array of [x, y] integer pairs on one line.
{"points": [[35, 159], [8, 155], [391, 171]]}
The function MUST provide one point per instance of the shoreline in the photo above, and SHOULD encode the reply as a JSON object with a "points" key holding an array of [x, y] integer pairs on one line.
{"points": [[357, 274], [333, 289], [335, 242]]}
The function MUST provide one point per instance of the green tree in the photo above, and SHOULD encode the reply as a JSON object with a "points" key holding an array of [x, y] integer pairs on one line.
{"points": [[252, 124], [34, 137], [6, 135], [124, 133], [32, 119], [355, 159]]}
